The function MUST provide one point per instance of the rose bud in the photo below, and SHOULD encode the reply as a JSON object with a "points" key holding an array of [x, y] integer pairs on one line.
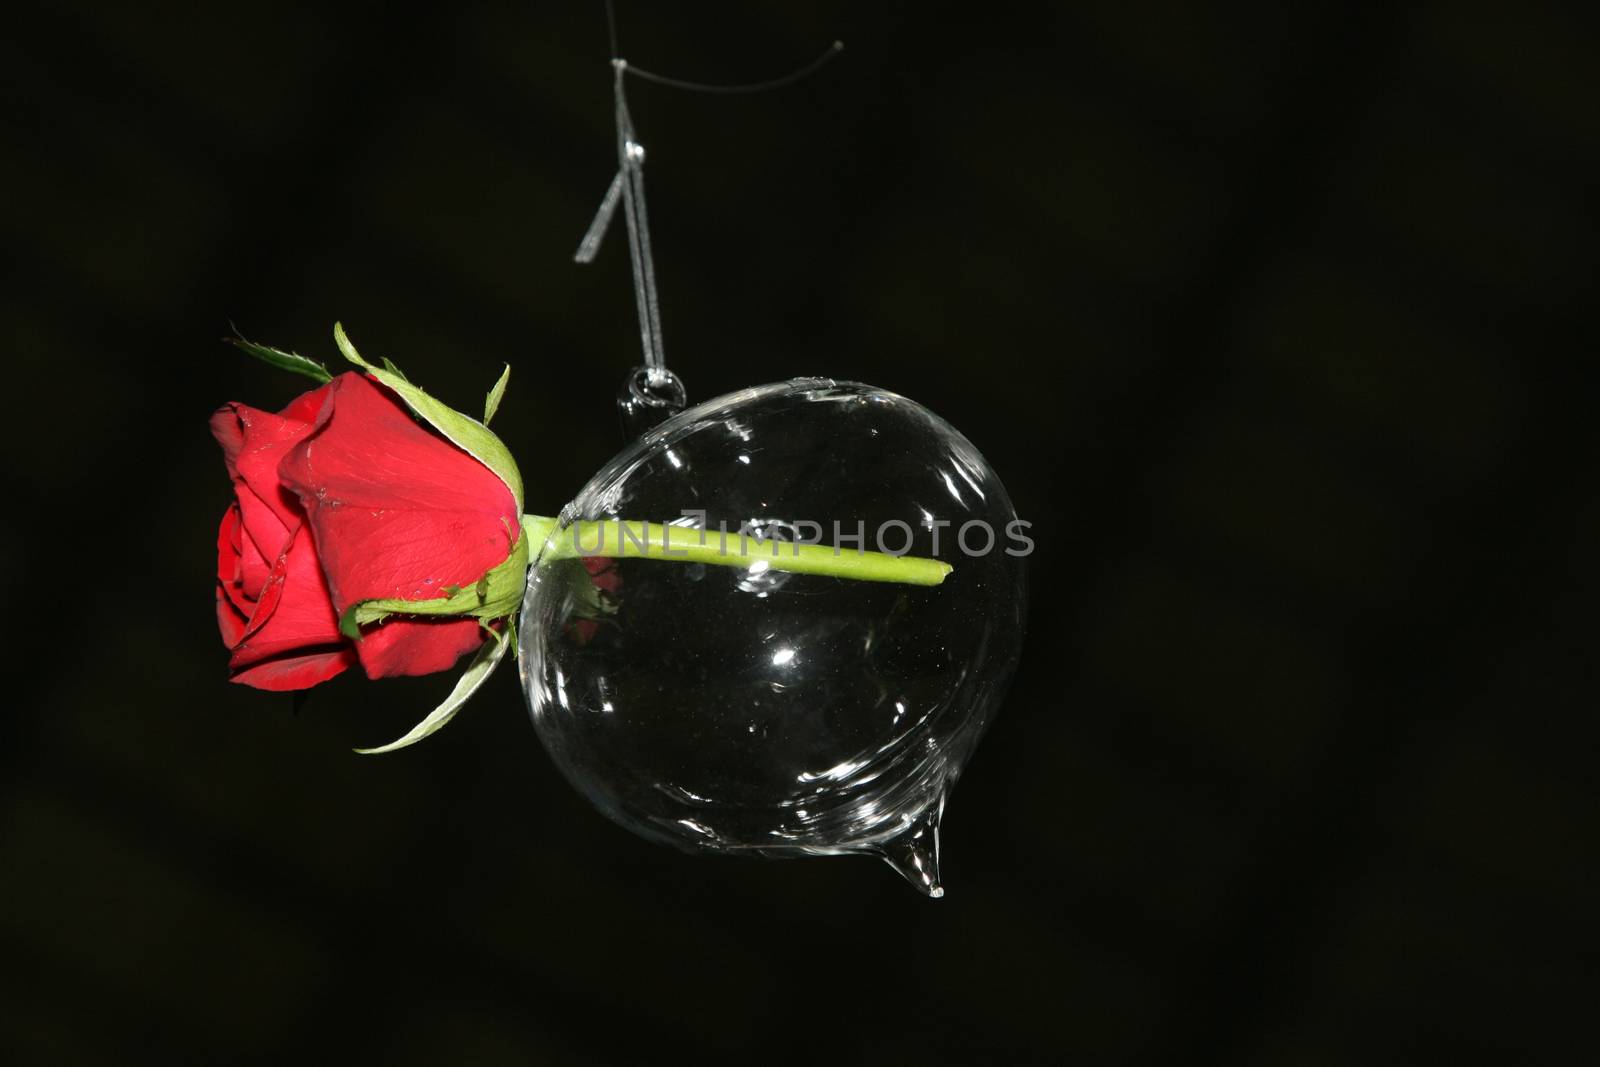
{"points": [[343, 500]]}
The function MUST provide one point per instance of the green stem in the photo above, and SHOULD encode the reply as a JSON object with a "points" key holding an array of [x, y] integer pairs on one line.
{"points": [[619, 539]]}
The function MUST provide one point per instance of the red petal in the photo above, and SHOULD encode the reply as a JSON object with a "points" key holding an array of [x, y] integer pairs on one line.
{"points": [[297, 671], [307, 406], [230, 563], [255, 564], [273, 606], [233, 610], [230, 620], [295, 611], [602, 572], [395, 510], [253, 443], [416, 646]]}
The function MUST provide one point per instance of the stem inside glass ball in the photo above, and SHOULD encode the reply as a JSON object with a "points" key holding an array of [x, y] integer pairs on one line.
{"points": [[619, 539]]}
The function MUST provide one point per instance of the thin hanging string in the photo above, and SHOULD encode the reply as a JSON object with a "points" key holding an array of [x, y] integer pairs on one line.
{"points": [[628, 186], [630, 168], [750, 87]]}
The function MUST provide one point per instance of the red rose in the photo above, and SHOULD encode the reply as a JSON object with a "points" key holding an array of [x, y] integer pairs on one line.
{"points": [[340, 498]]}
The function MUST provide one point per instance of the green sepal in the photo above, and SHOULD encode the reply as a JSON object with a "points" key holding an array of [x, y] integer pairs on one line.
{"points": [[472, 679], [491, 403], [496, 595], [289, 361], [466, 433]]}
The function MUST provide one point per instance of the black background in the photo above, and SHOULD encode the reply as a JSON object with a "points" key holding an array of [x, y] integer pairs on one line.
{"points": [[1267, 317]]}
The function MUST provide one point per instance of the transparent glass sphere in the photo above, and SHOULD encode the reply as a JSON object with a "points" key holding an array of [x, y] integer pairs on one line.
{"points": [[745, 708]]}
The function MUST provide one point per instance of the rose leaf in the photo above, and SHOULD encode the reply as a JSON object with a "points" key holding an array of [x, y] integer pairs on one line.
{"points": [[492, 404], [289, 361]]}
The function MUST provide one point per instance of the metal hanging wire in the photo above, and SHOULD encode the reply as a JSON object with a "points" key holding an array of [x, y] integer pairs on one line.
{"points": [[628, 188]]}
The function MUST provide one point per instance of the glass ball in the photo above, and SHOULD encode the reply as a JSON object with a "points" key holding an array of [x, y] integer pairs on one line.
{"points": [[741, 707]]}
